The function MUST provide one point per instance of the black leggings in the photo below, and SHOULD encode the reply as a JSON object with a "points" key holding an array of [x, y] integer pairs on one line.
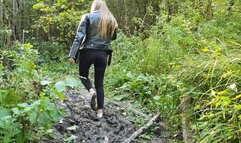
{"points": [[99, 59]]}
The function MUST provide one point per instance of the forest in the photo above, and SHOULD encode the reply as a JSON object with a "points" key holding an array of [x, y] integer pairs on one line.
{"points": [[175, 73]]}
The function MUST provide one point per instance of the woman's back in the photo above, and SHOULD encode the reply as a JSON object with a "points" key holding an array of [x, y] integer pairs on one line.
{"points": [[93, 37]]}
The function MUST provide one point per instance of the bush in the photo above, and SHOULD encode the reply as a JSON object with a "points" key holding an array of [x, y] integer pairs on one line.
{"points": [[27, 106], [189, 56]]}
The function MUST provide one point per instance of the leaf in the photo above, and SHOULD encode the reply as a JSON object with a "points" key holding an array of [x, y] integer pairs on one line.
{"points": [[130, 75], [23, 105], [1, 66], [237, 97], [237, 107], [55, 115], [157, 97], [63, 1], [27, 109], [50, 131], [71, 138], [72, 128], [44, 118], [233, 87], [28, 45], [224, 92], [197, 107], [16, 111], [60, 86], [72, 82], [4, 113], [60, 95], [38, 6], [3, 94], [36, 103], [205, 49], [61, 121], [45, 82], [118, 97], [33, 117]]}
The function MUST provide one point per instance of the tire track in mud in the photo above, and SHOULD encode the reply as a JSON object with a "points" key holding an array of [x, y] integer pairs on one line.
{"points": [[80, 124]]}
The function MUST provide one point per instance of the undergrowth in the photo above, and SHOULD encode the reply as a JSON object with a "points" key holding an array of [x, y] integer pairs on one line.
{"points": [[29, 96], [184, 58]]}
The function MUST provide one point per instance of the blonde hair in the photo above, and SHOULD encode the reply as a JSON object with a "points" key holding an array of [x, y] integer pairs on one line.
{"points": [[108, 23]]}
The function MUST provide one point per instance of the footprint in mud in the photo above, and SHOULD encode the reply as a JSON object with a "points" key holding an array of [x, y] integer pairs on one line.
{"points": [[80, 124]]}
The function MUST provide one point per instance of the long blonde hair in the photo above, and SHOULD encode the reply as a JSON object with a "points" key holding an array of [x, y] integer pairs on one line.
{"points": [[108, 23]]}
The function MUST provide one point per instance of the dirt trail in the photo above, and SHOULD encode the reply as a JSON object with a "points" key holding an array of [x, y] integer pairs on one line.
{"points": [[80, 124]]}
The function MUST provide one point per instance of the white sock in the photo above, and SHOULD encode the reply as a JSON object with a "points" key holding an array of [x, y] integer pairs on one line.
{"points": [[92, 91]]}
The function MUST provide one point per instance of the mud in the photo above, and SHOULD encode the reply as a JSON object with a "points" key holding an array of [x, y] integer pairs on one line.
{"points": [[81, 125]]}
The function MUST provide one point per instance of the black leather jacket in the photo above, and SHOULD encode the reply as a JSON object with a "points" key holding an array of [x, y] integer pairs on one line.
{"points": [[88, 31]]}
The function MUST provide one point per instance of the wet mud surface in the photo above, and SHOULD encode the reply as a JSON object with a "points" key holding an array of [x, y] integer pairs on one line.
{"points": [[80, 124]]}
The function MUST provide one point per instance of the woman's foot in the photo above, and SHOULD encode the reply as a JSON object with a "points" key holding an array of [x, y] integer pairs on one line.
{"points": [[99, 113]]}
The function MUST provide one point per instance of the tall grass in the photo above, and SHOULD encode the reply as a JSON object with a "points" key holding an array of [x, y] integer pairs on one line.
{"points": [[185, 57]]}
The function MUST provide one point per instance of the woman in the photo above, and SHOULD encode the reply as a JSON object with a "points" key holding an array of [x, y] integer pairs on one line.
{"points": [[96, 29]]}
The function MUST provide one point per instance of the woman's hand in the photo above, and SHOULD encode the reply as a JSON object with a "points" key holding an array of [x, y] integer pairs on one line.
{"points": [[72, 60]]}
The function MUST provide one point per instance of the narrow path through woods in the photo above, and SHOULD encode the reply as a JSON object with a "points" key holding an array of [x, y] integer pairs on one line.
{"points": [[81, 125]]}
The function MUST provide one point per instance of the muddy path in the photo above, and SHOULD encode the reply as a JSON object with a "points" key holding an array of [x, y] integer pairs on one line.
{"points": [[80, 124]]}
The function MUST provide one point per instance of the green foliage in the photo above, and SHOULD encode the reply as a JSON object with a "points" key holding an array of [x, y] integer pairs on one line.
{"points": [[191, 55], [59, 19], [215, 96], [4, 34], [18, 12], [50, 51], [223, 108], [27, 106], [156, 92], [55, 26], [185, 49], [134, 16]]}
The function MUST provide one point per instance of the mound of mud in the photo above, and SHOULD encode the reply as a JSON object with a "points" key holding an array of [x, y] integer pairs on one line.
{"points": [[80, 124]]}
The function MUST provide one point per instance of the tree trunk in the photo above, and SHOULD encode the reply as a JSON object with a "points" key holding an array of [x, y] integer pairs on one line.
{"points": [[171, 7], [13, 21], [134, 15], [23, 23], [1, 13], [142, 129], [186, 132]]}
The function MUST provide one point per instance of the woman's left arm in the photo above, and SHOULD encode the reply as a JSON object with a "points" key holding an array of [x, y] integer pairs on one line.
{"points": [[81, 32]]}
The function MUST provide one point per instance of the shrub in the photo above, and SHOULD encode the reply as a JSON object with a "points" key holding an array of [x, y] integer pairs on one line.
{"points": [[27, 106]]}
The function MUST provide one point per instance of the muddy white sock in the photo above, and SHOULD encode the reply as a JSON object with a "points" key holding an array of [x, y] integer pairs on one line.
{"points": [[99, 113], [92, 91]]}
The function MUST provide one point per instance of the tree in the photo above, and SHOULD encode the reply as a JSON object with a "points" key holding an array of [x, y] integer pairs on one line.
{"points": [[14, 16], [1, 13], [134, 15]]}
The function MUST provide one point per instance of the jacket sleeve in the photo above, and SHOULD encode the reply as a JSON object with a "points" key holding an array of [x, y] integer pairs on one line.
{"points": [[81, 32]]}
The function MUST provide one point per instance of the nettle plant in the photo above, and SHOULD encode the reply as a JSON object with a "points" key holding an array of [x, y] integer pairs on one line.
{"points": [[27, 100]]}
